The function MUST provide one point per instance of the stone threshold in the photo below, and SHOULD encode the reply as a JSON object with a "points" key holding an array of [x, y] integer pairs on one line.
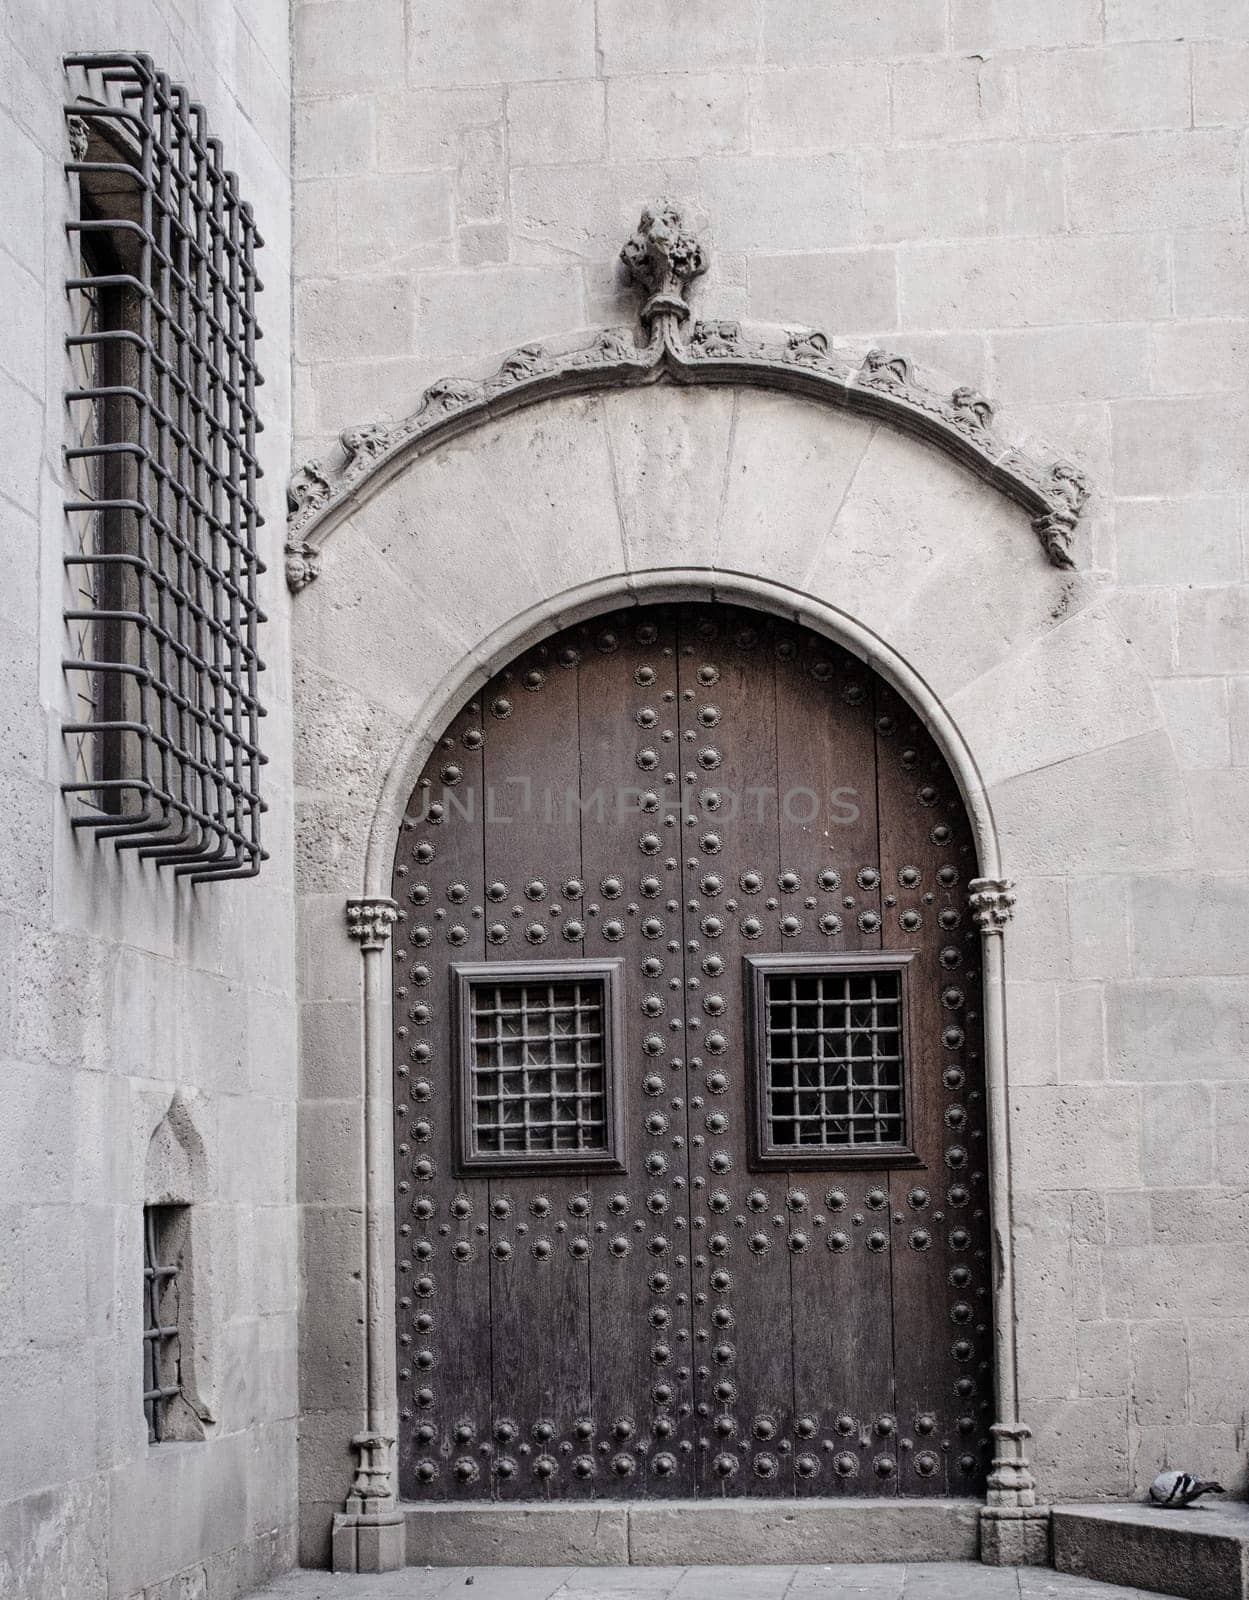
{"points": [[692, 1532], [1201, 1553]]}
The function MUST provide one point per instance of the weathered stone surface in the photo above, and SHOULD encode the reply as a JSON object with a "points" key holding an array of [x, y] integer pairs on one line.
{"points": [[1198, 1553]]}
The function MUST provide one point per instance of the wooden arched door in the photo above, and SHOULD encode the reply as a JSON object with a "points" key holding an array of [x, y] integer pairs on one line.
{"points": [[689, 1099]]}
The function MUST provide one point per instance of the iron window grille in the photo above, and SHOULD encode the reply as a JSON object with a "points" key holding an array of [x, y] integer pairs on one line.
{"points": [[162, 614], [537, 1052], [161, 1349], [831, 1069]]}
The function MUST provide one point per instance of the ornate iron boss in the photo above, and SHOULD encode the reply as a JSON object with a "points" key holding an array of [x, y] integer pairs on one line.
{"points": [[688, 1086]]}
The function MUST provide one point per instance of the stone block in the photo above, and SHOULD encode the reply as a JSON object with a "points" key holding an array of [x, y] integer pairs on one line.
{"points": [[52, 1543], [697, 114], [328, 1129], [1154, 180], [1211, 274], [1202, 1554], [481, 176], [1199, 357], [1195, 1216], [1049, 365], [982, 25], [977, 94], [1213, 630], [1147, 618], [1079, 1447], [1015, 1536], [556, 123], [354, 319], [398, 221], [1175, 19], [1231, 1128], [494, 309], [1220, 805], [1081, 1032], [1077, 689], [1218, 1366], [421, 128], [1179, 1028], [1159, 1391], [670, 454], [1124, 89], [477, 43], [518, 1535], [1000, 283], [809, 31], [1032, 1029], [1191, 926], [788, 465], [1061, 1135], [951, 190], [1097, 910], [1238, 719], [335, 134], [331, 1047], [817, 108], [346, 44], [1178, 542], [803, 1531], [1104, 1359], [812, 203], [849, 290], [1053, 825], [1192, 1281]]}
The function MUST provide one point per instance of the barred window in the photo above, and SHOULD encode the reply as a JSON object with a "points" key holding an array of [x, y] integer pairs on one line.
{"points": [[830, 1074], [537, 1051], [161, 610], [162, 1350]]}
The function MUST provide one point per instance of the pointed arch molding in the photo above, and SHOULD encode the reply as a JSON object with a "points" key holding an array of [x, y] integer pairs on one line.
{"points": [[663, 257]]}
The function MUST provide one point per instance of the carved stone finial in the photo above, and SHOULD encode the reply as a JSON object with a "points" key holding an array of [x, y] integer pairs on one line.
{"points": [[992, 903], [79, 137], [664, 259], [371, 919]]}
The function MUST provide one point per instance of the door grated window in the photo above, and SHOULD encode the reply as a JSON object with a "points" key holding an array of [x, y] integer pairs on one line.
{"points": [[831, 1068], [537, 1053]]}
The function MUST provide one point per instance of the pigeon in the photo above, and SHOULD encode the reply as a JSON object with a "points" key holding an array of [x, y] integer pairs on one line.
{"points": [[1176, 1489]]}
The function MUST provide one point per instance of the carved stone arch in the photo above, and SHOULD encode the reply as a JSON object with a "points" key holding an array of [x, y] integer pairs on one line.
{"points": [[175, 1169], [714, 490], [663, 257]]}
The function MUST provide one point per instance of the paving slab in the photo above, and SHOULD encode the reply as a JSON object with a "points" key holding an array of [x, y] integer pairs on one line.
{"points": [[928, 1580]]}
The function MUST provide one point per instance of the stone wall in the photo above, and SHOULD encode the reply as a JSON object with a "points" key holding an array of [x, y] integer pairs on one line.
{"points": [[118, 985], [1045, 201]]}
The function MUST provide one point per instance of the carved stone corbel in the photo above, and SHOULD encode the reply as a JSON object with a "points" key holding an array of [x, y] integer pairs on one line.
{"points": [[369, 1533]]}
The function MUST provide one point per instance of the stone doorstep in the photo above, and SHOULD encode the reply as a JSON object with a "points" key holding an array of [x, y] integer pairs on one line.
{"points": [[692, 1532], [1200, 1554]]}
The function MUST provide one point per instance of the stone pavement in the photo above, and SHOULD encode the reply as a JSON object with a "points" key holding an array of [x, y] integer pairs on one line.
{"points": [[916, 1581]]}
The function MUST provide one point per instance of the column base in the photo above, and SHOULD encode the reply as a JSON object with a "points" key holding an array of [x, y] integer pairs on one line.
{"points": [[1015, 1536], [368, 1542]]}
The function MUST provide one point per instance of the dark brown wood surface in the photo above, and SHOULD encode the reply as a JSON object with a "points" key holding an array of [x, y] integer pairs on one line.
{"points": [[676, 788]]}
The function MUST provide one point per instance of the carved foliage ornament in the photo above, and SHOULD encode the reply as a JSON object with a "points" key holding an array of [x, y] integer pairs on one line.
{"points": [[663, 257], [370, 920]]}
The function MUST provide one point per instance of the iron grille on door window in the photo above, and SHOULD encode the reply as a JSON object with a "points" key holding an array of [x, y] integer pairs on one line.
{"points": [[830, 1074], [537, 1048], [162, 612]]}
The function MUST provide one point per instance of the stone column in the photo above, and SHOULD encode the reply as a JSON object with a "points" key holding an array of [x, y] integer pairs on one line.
{"points": [[369, 1534], [1014, 1530]]}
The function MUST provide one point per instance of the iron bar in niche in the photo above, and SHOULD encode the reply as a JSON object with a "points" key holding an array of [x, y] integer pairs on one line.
{"points": [[163, 565]]}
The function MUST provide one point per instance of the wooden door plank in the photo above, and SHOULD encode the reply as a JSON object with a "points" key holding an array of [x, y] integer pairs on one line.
{"points": [[443, 1275], [630, 852]]}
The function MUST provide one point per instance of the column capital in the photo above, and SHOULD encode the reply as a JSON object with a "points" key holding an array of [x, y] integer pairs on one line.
{"points": [[992, 902], [370, 919]]}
